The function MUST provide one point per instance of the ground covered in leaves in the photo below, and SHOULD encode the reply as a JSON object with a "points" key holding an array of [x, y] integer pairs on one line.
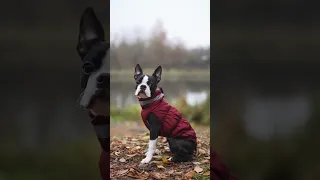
{"points": [[128, 151]]}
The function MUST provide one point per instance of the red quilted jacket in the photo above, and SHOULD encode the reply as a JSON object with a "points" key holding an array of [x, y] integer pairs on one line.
{"points": [[173, 123]]}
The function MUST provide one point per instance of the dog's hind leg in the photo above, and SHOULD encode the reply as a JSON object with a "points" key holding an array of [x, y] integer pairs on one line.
{"points": [[181, 149]]}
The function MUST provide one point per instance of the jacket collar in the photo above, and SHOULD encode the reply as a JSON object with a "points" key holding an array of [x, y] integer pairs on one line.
{"points": [[156, 96]]}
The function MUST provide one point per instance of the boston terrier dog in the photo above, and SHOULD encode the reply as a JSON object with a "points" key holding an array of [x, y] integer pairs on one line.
{"points": [[94, 53], [162, 119], [93, 50]]}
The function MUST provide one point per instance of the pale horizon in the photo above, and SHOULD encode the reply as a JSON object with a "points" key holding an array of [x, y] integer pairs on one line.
{"points": [[187, 21]]}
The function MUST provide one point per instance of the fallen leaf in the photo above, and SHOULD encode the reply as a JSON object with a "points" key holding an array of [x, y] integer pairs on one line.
{"points": [[156, 175], [167, 148], [196, 163], [164, 140], [156, 162], [171, 171], [122, 160], [160, 167], [205, 161], [131, 155], [117, 153], [157, 157], [178, 173], [134, 149], [133, 174], [207, 173], [146, 138], [202, 152], [157, 151], [165, 160], [190, 174], [142, 165], [198, 169], [122, 172]]}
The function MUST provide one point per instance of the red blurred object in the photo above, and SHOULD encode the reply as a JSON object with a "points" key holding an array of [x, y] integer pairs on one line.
{"points": [[104, 162], [218, 171], [104, 165]]}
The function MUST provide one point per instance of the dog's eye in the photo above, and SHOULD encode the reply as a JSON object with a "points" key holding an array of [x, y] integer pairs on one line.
{"points": [[151, 84], [88, 68]]}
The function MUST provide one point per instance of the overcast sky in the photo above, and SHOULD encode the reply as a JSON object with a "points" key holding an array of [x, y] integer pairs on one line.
{"points": [[187, 20]]}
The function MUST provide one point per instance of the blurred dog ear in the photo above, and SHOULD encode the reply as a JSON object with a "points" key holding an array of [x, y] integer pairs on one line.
{"points": [[90, 32], [157, 73], [137, 71]]}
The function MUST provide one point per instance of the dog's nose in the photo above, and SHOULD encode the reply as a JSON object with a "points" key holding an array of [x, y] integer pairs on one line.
{"points": [[143, 87], [103, 80]]}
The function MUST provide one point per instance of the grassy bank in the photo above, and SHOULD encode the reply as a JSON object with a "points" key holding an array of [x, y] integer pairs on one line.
{"points": [[199, 114], [167, 75]]}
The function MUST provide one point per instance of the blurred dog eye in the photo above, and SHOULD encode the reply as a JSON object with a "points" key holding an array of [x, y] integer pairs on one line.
{"points": [[88, 67]]}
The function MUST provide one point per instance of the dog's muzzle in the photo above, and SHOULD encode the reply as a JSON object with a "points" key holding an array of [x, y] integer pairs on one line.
{"points": [[100, 90]]}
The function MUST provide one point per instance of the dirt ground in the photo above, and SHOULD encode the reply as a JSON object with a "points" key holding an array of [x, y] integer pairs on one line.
{"points": [[129, 142]]}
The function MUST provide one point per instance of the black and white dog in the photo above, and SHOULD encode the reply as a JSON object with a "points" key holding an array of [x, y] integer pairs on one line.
{"points": [[93, 50], [94, 53], [162, 119]]}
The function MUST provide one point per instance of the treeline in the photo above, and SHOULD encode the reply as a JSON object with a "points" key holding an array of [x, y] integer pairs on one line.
{"points": [[157, 49]]}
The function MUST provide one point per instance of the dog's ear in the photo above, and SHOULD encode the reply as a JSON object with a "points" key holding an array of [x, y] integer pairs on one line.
{"points": [[157, 73], [90, 32], [137, 71]]}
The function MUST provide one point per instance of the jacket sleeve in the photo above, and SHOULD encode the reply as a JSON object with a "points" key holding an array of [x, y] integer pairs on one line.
{"points": [[101, 125], [218, 170]]}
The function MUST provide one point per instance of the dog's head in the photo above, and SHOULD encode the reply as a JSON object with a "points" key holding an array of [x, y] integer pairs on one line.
{"points": [[146, 85], [94, 53]]}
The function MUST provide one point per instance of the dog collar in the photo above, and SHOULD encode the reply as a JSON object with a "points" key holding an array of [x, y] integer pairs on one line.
{"points": [[150, 101]]}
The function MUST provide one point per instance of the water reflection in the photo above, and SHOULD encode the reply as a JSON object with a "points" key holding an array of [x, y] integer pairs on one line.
{"points": [[270, 116], [194, 98], [122, 94]]}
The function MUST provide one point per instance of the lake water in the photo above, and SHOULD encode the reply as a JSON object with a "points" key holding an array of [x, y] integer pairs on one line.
{"points": [[122, 94]]}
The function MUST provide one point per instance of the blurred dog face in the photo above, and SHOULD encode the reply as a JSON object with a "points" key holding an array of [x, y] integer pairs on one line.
{"points": [[146, 85], [94, 53]]}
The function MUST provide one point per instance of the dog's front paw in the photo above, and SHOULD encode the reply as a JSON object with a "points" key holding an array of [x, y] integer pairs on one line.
{"points": [[146, 160], [156, 152]]}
